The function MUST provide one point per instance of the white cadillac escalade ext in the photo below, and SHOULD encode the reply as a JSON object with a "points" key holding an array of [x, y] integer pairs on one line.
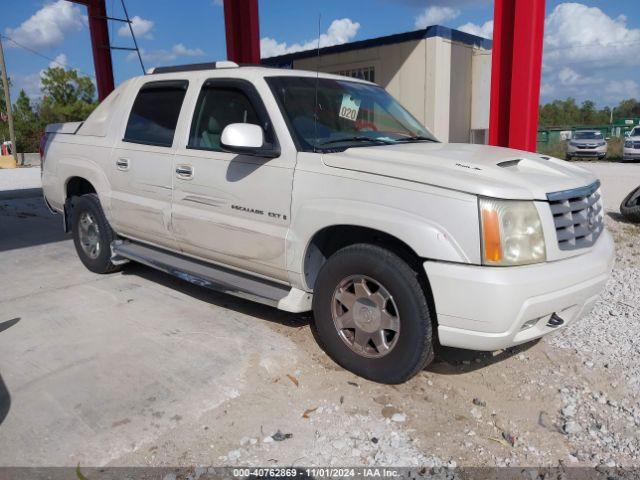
{"points": [[319, 192]]}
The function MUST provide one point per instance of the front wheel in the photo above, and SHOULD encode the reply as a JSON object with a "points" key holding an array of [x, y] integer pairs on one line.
{"points": [[630, 206], [371, 314], [92, 234]]}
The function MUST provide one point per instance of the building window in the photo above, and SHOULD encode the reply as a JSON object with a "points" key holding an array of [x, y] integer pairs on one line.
{"points": [[365, 73]]}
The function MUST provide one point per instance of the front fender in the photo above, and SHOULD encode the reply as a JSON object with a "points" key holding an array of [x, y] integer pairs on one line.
{"points": [[436, 227]]}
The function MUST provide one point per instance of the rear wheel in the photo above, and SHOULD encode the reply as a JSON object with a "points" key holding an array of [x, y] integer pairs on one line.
{"points": [[92, 235], [630, 206], [371, 314]]}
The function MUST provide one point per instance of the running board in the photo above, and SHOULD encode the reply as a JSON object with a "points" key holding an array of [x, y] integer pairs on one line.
{"points": [[214, 277]]}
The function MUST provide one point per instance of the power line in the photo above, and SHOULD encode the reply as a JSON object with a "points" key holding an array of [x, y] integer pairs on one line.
{"points": [[35, 52]]}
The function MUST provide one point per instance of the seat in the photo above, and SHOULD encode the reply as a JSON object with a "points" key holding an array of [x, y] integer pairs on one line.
{"points": [[211, 136]]}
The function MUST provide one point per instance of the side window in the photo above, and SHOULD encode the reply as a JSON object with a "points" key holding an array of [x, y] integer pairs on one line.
{"points": [[155, 112], [217, 107]]}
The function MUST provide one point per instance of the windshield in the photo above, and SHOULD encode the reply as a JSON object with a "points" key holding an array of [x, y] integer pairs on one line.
{"points": [[348, 114], [635, 132], [588, 136]]}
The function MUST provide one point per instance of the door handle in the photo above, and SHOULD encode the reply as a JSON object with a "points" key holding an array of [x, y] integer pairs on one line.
{"points": [[184, 171], [122, 164]]}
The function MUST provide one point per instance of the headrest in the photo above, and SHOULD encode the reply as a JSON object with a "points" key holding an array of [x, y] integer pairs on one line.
{"points": [[213, 125]]}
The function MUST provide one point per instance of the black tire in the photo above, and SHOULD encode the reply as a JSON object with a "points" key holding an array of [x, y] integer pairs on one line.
{"points": [[90, 204], [568, 158], [413, 349], [630, 206]]}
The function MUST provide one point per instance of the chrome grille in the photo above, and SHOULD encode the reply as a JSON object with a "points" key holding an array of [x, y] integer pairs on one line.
{"points": [[578, 216]]}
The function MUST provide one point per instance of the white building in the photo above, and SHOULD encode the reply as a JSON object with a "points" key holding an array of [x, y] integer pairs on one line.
{"points": [[441, 75]]}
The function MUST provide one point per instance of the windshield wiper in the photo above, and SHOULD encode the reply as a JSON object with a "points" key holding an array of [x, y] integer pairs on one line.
{"points": [[358, 138], [416, 138]]}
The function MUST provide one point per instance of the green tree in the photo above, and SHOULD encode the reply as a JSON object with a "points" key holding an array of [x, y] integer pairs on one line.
{"points": [[628, 109], [566, 113], [68, 96], [27, 124], [4, 125]]}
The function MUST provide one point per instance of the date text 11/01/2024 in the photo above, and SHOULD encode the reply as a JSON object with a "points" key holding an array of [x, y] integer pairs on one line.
{"points": [[317, 472]]}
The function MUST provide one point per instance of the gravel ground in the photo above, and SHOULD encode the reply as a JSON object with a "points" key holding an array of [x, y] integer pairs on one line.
{"points": [[608, 339], [569, 400]]}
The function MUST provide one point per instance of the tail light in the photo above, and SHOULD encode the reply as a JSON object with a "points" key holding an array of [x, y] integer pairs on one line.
{"points": [[41, 149]]}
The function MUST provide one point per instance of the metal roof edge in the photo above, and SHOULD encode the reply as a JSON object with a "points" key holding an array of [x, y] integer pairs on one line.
{"points": [[429, 32]]}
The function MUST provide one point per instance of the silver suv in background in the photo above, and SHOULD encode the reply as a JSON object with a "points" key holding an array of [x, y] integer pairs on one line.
{"points": [[631, 150], [587, 143]]}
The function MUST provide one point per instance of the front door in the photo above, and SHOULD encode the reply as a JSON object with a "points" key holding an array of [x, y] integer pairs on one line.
{"points": [[228, 208], [142, 165]]}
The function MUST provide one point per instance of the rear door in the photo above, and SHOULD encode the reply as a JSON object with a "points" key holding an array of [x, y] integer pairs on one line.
{"points": [[228, 208], [142, 164]]}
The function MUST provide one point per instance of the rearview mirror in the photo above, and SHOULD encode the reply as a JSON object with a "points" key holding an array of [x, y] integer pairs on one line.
{"points": [[246, 139]]}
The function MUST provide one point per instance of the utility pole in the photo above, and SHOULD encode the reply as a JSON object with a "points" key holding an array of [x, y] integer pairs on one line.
{"points": [[7, 100]]}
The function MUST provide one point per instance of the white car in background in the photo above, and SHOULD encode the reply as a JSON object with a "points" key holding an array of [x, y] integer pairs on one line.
{"points": [[631, 150], [587, 143]]}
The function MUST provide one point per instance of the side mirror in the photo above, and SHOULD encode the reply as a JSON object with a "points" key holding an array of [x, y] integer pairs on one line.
{"points": [[246, 139]]}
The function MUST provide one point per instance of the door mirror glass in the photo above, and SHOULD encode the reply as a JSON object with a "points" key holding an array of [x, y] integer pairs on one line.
{"points": [[243, 138]]}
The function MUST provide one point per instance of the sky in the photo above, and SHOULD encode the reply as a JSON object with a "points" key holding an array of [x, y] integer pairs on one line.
{"points": [[590, 46]]}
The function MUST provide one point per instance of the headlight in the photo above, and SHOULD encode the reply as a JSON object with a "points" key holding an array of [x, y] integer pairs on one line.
{"points": [[573, 144], [511, 232], [602, 144], [628, 144]]}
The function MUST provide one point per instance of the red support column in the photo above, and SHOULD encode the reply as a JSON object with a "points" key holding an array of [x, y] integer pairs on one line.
{"points": [[243, 31], [99, 31], [516, 69]]}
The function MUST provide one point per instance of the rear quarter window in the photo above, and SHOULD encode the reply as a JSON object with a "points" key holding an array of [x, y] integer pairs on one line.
{"points": [[155, 113]]}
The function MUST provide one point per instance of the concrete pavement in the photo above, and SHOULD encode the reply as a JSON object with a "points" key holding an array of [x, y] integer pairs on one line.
{"points": [[97, 365]]}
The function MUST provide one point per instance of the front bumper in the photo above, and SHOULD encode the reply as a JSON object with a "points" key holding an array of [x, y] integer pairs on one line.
{"points": [[587, 152], [485, 308], [630, 154]]}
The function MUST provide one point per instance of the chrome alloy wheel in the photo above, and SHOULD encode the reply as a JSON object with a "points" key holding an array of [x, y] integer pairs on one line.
{"points": [[89, 235], [365, 316]]}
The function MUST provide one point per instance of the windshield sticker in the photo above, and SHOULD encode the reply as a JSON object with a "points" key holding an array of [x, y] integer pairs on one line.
{"points": [[350, 107]]}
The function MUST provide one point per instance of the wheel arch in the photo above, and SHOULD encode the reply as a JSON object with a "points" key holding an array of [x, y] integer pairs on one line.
{"points": [[328, 240], [75, 186]]}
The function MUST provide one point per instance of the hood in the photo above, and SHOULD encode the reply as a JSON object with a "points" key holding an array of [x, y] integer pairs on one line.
{"points": [[478, 169]]}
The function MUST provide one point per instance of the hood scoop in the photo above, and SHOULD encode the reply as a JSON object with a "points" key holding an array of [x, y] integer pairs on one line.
{"points": [[509, 163]]}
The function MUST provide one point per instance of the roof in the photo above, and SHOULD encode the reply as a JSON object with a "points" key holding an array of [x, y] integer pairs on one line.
{"points": [[429, 32], [202, 71]]}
